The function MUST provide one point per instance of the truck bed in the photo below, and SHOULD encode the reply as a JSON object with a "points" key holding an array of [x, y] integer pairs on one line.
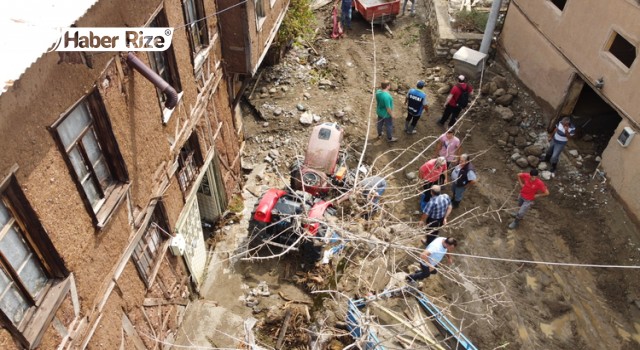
{"points": [[378, 11]]}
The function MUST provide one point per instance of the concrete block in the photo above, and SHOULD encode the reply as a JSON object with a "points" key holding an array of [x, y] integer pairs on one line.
{"points": [[468, 62]]}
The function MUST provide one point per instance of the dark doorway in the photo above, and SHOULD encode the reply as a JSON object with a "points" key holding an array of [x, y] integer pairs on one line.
{"points": [[594, 117]]}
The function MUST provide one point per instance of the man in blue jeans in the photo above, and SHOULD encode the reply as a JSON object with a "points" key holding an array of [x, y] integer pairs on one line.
{"points": [[384, 110], [413, 7], [416, 102], [557, 140], [462, 177], [345, 18], [431, 257]]}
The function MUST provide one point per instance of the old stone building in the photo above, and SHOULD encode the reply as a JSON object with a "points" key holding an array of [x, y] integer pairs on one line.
{"points": [[102, 170], [580, 59]]}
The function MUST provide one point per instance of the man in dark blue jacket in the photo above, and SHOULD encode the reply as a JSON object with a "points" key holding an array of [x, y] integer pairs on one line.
{"points": [[416, 102]]}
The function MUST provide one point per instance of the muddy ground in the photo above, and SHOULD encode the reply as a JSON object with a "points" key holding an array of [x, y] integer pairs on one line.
{"points": [[497, 291]]}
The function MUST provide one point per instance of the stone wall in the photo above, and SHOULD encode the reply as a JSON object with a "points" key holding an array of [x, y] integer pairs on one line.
{"points": [[445, 40]]}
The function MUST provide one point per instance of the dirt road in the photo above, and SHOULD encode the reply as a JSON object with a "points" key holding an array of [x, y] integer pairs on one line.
{"points": [[499, 290]]}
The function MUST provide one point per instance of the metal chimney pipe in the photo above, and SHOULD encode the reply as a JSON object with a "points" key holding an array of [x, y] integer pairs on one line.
{"points": [[155, 79]]}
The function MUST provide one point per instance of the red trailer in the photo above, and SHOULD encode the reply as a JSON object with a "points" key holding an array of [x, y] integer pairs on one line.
{"points": [[378, 11]]}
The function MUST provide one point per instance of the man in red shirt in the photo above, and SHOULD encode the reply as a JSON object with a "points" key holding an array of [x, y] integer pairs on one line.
{"points": [[451, 106], [532, 188], [430, 173]]}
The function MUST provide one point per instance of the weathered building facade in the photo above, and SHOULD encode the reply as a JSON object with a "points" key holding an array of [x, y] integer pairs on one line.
{"points": [[248, 29], [581, 59], [101, 170]]}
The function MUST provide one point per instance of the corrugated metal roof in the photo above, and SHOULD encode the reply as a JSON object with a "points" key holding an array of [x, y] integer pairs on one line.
{"points": [[28, 28]]}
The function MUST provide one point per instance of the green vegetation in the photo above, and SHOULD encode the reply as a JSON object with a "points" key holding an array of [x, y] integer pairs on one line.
{"points": [[473, 20], [298, 22]]}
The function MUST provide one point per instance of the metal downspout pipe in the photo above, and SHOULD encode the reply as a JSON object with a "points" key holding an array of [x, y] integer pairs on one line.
{"points": [[155, 79]]}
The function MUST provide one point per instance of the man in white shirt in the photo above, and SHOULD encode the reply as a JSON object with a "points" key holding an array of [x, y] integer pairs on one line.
{"points": [[431, 257], [557, 140]]}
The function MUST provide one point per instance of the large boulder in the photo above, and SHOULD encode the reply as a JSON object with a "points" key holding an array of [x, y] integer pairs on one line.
{"points": [[533, 161], [534, 150], [489, 88], [513, 130], [504, 113], [522, 162], [500, 82], [520, 141], [504, 100], [498, 93]]}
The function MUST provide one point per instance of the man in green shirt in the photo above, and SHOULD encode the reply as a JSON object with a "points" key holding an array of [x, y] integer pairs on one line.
{"points": [[384, 110]]}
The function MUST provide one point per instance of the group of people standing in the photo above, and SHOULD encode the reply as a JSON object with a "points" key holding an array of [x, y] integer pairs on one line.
{"points": [[417, 104], [435, 205]]}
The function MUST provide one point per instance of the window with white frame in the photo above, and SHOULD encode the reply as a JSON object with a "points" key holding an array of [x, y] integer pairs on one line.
{"points": [[86, 139], [29, 265]]}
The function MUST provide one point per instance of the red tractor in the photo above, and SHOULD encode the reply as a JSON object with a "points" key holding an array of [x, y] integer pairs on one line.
{"points": [[324, 165], [283, 219]]}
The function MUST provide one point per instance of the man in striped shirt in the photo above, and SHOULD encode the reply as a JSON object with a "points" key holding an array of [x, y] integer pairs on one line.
{"points": [[435, 213], [557, 140]]}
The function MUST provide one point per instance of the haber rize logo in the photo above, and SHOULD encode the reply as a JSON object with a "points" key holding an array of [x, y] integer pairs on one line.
{"points": [[114, 39]]}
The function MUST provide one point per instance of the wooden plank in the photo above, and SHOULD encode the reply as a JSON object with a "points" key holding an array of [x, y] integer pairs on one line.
{"points": [[130, 330], [159, 301], [146, 318], [154, 272], [46, 312], [85, 342], [410, 327], [74, 295]]}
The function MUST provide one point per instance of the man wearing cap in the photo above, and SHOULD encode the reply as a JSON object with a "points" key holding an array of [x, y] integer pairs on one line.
{"points": [[532, 188], [435, 213], [416, 103], [432, 256], [557, 140], [451, 107], [384, 110], [430, 173]]}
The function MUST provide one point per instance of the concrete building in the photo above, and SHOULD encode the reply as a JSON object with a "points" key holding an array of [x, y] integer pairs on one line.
{"points": [[101, 170], [580, 58]]}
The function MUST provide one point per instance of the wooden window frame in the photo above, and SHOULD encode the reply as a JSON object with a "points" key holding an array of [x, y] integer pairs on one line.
{"points": [[158, 218], [43, 307], [612, 37], [171, 65], [193, 157], [114, 194], [201, 26]]}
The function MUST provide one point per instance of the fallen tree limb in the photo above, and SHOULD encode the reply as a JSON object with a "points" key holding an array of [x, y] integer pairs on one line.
{"points": [[283, 329]]}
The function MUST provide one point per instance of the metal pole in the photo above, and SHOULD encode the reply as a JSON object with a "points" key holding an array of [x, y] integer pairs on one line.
{"points": [[491, 26]]}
